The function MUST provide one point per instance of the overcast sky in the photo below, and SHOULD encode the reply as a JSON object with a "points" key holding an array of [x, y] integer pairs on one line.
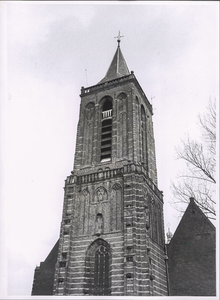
{"points": [[172, 47]]}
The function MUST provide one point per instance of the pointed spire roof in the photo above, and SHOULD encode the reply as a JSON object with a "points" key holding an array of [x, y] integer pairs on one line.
{"points": [[118, 66]]}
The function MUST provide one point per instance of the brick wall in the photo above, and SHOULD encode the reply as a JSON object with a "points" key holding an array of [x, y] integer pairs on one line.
{"points": [[120, 196], [128, 100], [115, 201], [115, 204]]}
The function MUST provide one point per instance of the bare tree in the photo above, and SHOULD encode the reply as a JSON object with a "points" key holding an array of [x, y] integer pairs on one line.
{"points": [[198, 180]]}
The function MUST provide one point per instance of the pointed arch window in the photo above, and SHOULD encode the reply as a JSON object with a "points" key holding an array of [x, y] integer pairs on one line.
{"points": [[106, 133], [97, 275], [101, 272]]}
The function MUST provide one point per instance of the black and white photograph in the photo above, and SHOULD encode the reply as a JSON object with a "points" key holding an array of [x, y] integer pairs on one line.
{"points": [[109, 149]]}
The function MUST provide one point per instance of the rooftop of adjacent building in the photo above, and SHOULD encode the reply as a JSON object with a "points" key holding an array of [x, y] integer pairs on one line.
{"points": [[194, 211]]}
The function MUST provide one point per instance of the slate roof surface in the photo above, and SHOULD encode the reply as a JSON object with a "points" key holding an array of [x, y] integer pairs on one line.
{"points": [[118, 67]]}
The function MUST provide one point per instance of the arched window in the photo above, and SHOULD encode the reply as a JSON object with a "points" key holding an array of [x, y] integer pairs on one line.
{"points": [[97, 274], [106, 134]]}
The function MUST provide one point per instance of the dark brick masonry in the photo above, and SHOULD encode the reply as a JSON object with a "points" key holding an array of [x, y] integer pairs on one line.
{"points": [[191, 253], [44, 274]]}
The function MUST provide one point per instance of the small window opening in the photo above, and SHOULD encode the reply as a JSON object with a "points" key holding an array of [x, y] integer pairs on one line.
{"points": [[67, 221], [66, 231], [129, 258], [62, 264], [60, 282], [70, 189], [152, 277], [64, 255]]}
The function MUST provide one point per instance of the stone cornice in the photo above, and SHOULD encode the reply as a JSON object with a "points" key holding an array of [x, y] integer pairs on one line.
{"points": [[113, 173]]}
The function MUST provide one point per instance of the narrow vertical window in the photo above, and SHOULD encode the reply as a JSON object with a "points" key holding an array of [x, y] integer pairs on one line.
{"points": [[106, 134], [99, 224]]}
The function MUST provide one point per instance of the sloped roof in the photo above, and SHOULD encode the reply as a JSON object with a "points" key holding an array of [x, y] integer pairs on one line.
{"points": [[117, 68], [191, 255], [192, 218]]}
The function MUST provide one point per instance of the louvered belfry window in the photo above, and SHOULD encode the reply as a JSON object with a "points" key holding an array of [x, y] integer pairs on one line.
{"points": [[106, 134]]}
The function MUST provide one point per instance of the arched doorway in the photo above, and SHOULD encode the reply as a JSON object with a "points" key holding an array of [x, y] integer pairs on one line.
{"points": [[97, 273]]}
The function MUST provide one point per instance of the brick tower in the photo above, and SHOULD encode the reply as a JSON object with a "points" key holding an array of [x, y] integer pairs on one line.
{"points": [[112, 233]]}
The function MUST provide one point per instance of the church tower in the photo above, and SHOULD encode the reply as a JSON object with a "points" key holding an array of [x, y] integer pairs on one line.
{"points": [[112, 232]]}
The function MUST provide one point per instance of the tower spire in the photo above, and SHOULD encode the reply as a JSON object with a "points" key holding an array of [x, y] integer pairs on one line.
{"points": [[118, 66], [119, 38]]}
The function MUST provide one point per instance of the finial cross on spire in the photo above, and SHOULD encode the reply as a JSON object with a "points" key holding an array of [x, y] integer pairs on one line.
{"points": [[119, 38]]}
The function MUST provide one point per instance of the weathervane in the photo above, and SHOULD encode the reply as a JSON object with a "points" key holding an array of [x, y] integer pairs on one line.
{"points": [[119, 38]]}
